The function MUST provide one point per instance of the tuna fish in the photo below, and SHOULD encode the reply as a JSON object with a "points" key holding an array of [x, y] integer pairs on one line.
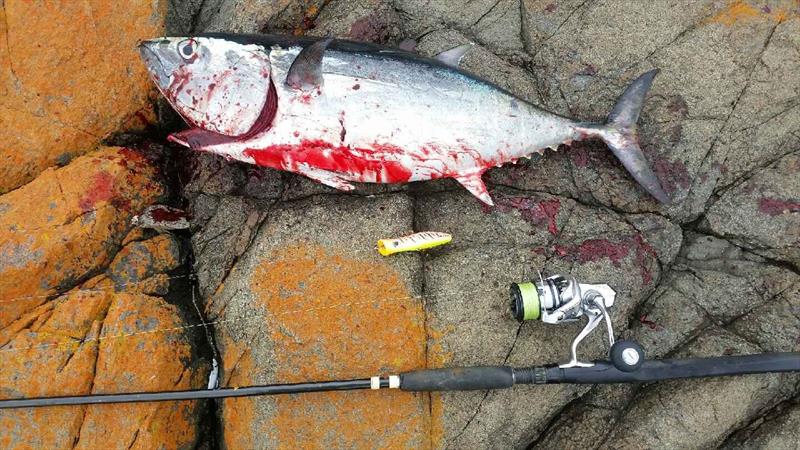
{"points": [[340, 112]]}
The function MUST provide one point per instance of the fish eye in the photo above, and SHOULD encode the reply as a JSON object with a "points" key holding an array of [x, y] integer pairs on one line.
{"points": [[186, 48]]}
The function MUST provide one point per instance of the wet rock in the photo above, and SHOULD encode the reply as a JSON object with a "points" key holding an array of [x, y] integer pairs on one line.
{"points": [[247, 16], [67, 225], [712, 283], [61, 94], [363, 20], [776, 432], [763, 212], [698, 414]]}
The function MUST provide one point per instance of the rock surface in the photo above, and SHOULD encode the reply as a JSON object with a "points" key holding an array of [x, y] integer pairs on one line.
{"points": [[83, 310], [66, 88], [67, 225]]}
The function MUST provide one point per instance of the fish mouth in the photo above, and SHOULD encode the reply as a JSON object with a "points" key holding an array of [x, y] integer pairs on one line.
{"points": [[151, 52]]}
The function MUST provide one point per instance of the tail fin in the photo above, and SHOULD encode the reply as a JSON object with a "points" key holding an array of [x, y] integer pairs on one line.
{"points": [[619, 133]]}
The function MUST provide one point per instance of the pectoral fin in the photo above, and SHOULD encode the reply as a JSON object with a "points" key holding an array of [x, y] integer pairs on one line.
{"points": [[198, 139], [475, 186], [306, 71], [453, 56]]}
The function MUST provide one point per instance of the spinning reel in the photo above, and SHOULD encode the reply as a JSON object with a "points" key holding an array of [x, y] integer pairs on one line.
{"points": [[559, 299]]}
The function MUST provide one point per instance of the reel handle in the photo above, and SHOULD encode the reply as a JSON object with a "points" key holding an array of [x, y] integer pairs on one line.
{"points": [[627, 356]]}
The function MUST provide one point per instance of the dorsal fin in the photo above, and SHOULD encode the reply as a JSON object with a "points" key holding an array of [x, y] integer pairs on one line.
{"points": [[306, 71], [453, 56]]}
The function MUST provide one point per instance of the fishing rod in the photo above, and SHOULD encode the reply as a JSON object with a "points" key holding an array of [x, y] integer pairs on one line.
{"points": [[554, 300]]}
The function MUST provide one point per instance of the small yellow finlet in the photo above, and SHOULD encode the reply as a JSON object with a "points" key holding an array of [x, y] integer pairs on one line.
{"points": [[414, 242]]}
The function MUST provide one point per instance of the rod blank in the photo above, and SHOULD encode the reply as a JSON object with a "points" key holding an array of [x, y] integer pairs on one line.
{"points": [[197, 394]]}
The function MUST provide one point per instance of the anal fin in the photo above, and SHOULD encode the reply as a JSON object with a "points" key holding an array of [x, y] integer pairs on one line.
{"points": [[474, 184], [453, 56]]}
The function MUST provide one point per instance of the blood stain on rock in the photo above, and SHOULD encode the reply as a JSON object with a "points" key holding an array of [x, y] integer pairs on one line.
{"points": [[677, 105], [672, 175], [370, 28], [579, 156], [775, 207], [593, 250], [644, 320], [166, 214], [643, 252], [100, 191], [536, 212]]}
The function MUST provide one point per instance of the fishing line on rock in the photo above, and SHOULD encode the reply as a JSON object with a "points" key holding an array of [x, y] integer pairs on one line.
{"points": [[244, 317]]}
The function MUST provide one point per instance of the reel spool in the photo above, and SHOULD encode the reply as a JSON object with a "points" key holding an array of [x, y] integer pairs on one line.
{"points": [[559, 299]]}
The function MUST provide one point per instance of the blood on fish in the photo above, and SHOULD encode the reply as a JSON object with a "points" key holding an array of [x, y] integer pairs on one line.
{"points": [[339, 159]]}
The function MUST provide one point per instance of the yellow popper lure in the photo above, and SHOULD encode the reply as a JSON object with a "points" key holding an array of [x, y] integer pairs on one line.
{"points": [[413, 242]]}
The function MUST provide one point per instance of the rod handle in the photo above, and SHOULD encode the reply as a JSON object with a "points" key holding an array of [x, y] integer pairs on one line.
{"points": [[670, 369], [458, 379]]}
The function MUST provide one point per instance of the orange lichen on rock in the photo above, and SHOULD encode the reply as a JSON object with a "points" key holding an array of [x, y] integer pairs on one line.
{"points": [[136, 265], [437, 356], [331, 316], [143, 361], [69, 77], [67, 224], [742, 11], [62, 351], [239, 414], [49, 370]]}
